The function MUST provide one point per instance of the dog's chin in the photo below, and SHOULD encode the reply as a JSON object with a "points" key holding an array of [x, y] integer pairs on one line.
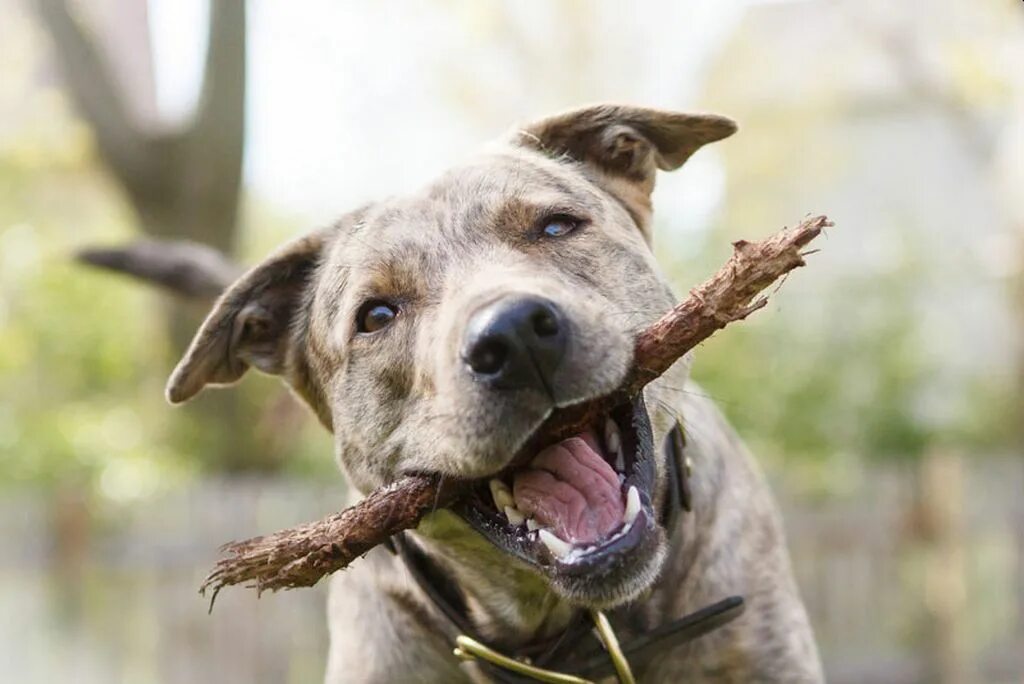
{"points": [[581, 512], [614, 584]]}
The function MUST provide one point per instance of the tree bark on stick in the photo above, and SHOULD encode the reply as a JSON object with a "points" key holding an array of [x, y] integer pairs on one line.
{"points": [[301, 556]]}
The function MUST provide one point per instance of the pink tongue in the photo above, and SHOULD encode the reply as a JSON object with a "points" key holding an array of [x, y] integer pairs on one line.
{"points": [[572, 490]]}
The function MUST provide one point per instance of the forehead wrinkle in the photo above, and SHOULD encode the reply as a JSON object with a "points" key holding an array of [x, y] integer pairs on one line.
{"points": [[498, 192], [514, 214], [561, 182]]}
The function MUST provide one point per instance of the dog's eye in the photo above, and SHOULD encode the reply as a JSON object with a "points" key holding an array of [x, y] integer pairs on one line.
{"points": [[559, 225], [375, 315]]}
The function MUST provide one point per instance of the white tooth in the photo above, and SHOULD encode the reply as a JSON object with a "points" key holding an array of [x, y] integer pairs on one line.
{"points": [[611, 436], [513, 515], [632, 505], [556, 545], [501, 493], [620, 461], [532, 524]]}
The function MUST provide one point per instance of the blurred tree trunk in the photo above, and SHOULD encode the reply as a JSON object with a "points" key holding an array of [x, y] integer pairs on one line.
{"points": [[184, 184]]}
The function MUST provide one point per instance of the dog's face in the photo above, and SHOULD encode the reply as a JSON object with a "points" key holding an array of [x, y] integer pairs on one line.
{"points": [[435, 333]]}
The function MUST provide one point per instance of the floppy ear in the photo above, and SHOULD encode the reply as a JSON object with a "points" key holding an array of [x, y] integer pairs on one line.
{"points": [[252, 324], [626, 146]]}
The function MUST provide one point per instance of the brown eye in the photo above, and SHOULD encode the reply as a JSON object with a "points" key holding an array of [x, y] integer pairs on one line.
{"points": [[375, 315], [559, 225]]}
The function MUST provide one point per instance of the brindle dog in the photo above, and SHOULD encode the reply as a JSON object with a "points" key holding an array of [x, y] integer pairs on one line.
{"points": [[435, 332]]}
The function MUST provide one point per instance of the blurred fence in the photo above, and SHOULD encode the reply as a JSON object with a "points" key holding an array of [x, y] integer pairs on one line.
{"points": [[920, 578], [897, 592]]}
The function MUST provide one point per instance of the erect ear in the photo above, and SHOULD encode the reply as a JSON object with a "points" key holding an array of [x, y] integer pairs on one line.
{"points": [[626, 145], [252, 324]]}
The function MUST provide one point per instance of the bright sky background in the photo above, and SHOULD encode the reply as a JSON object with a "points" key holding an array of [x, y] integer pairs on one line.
{"points": [[352, 101]]}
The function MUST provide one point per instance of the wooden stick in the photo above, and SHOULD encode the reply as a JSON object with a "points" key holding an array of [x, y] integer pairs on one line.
{"points": [[300, 556]]}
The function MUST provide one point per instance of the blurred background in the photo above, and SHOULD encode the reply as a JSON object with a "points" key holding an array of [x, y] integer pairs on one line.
{"points": [[881, 390]]}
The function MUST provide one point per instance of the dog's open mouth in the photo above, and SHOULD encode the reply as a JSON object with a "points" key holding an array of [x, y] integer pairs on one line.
{"points": [[582, 505]]}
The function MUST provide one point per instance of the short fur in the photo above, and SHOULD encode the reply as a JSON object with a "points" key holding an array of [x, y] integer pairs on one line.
{"points": [[399, 400]]}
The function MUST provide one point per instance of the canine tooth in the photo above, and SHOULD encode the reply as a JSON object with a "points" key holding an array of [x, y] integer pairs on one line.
{"points": [[513, 515], [632, 505], [620, 461], [501, 494], [611, 437], [532, 524], [556, 545]]}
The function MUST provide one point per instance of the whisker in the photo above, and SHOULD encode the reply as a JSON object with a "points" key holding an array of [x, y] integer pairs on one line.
{"points": [[437, 495], [694, 393]]}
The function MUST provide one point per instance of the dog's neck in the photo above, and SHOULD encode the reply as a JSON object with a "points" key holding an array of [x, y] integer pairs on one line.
{"points": [[507, 603]]}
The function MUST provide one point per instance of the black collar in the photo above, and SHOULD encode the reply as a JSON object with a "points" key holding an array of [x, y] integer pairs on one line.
{"points": [[568, 652]]}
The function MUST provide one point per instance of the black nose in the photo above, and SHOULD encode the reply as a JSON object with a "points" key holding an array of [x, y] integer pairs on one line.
{"points": [[515, 343]]}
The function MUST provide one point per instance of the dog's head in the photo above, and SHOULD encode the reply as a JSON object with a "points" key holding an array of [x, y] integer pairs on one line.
{"points": [[436, 332]]}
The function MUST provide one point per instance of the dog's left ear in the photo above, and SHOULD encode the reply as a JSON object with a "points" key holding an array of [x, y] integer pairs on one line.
{"points": [[626, 146], [252, 324]]}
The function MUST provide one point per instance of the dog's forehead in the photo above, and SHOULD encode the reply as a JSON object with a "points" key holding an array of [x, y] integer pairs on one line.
{"points": [[509, 172], [469, 205]]}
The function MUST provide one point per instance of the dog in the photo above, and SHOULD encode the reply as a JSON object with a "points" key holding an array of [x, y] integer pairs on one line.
{"points": [[434, 333]]}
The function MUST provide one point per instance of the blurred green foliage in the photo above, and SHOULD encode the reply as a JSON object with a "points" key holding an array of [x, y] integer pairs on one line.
{"points": [[826, 379]]}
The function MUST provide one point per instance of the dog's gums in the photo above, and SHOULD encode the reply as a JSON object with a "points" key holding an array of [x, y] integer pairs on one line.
{"points": [[582, 506]]}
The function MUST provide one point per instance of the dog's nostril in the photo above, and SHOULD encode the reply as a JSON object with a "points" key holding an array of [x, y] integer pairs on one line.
{"points": [[488, 357], [515, 343], [544, 323]]}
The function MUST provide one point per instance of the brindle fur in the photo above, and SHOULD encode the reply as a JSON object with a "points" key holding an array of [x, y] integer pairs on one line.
{"points": [[399, 400]]}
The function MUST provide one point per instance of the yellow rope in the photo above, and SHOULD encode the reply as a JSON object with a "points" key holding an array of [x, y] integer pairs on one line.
{"points": [[611, 644], [469, 649]]}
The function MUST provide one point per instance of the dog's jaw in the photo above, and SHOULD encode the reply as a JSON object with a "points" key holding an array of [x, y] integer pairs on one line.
{"points": [[512, 601], [581, 511]]}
